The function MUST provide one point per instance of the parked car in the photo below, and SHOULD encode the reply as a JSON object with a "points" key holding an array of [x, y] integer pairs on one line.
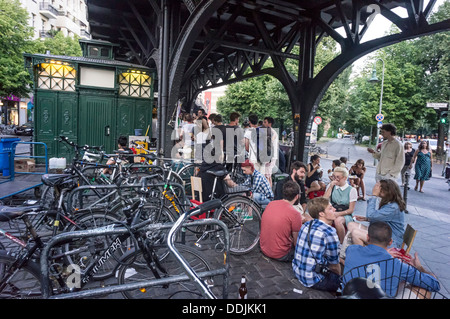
{"points": [[24, 129], [433, 143]]}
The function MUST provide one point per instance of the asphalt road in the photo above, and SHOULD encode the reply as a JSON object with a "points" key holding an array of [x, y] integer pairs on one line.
{"points": [[436, 196]]}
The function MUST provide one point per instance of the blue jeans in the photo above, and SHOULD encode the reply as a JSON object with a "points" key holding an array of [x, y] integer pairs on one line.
{"points": [[257, 197]]}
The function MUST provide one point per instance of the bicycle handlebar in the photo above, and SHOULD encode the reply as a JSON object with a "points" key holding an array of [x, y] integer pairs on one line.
{"points": [[85, 147]]}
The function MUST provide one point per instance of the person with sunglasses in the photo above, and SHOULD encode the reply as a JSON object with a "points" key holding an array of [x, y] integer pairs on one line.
{"points": [[343, 197]]}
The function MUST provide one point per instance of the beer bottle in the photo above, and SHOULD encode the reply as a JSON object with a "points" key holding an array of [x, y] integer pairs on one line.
{"points": [[243, 289]]}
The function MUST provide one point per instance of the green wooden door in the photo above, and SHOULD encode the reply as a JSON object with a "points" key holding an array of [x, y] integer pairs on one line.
{"points": [[125, 117], [143, 117], [96, 122], [67, 122], [133, 114], [45, 118]]}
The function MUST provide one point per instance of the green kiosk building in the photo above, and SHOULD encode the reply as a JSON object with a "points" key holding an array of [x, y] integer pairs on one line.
{"points": [[92, 99]]}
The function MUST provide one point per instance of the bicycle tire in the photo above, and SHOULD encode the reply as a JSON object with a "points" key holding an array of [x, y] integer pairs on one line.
{"points": [[130, 272], [47, 196], [244, 234], [24, 284], [108, 268]]}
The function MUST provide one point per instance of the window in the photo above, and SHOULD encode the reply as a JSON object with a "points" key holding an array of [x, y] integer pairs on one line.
{"points": [[56, 76], [98, 52], [104, 52], [135, 84]]}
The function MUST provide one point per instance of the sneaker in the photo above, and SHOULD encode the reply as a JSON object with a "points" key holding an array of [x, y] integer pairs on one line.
{"points": [[247, 216]]}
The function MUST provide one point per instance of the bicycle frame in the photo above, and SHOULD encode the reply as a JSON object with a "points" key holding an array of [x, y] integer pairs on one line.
{"points": [[105, 231]]}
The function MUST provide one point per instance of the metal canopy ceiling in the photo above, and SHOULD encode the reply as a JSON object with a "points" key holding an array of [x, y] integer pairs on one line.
{"points": [[197, 44]]}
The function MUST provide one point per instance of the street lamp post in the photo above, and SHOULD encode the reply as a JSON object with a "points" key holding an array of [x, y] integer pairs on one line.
{"points": [[374, 79]]}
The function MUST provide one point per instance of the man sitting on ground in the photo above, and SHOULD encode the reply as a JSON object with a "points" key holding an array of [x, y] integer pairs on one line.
{"points": [[298, 172], [388, 271], [280, 225], [316, 260], [259, 185]]}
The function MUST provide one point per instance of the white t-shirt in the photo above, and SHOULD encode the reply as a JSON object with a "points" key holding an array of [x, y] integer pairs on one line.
{"points": [[188, 129], [252, 144]]}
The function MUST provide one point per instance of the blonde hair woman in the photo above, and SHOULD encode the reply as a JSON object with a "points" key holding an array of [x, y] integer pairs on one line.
{"points": [[343, 197]]}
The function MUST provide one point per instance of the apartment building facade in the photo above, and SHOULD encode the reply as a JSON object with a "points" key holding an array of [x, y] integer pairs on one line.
{"points": [[50, 16]]}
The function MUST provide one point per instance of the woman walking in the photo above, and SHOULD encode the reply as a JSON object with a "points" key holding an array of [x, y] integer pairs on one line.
{"points": [[423, 160]]}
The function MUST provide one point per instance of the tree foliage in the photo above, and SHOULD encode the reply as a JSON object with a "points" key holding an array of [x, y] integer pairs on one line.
{"points": [[15, 38], [59, 45], [416, 72]]}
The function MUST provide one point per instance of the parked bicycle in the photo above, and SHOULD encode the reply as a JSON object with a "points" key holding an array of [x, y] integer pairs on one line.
{"points": [[238, 211], [170, 270]]}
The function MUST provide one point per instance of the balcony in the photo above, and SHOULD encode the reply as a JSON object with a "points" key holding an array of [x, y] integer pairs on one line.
{"points": [[45, 34], [85, 34], [47, 10]]}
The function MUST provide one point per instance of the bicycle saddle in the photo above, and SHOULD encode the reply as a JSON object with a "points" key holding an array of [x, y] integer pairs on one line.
{"points": [[363, 288], [55, 179], [9, 213], [220, 173]]}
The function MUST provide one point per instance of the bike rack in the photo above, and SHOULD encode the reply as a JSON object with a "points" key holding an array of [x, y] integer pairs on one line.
{"points": [[102, 231]]}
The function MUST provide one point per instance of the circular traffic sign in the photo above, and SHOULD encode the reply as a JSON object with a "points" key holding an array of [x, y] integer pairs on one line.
{"points": [[318, 120], [379, 117]]}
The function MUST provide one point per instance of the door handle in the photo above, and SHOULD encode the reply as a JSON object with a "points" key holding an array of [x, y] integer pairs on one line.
{"points": [[107, 130]]}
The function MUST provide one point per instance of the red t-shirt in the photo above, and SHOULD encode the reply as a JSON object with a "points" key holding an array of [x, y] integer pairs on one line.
{"points": [[279, 220]]}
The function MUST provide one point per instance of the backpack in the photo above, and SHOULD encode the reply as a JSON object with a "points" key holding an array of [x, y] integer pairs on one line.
{"points": [[264, 151]]}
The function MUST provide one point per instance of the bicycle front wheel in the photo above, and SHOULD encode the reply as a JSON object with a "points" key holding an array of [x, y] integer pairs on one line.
{"points": [[134, 269], [84, 251], [243, 219], [23, 283]]}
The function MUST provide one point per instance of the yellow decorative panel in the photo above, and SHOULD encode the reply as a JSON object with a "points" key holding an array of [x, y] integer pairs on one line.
{"points": [[56, 76], [135, 84]]}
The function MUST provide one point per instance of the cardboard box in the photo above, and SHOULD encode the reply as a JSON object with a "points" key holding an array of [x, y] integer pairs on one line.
{"points": [[24, 165]]}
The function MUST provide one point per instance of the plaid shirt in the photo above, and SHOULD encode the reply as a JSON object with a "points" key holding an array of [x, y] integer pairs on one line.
{"points": [[325, 248], [258, 183]]}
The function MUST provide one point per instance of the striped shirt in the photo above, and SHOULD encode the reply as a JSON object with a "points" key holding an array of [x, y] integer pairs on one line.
{"points": [[325, 248]]}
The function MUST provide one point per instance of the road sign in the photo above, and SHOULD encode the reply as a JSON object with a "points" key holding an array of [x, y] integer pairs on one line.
{"points": [[437, 105], [318, 120], [379, 117], [379, 124]]}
